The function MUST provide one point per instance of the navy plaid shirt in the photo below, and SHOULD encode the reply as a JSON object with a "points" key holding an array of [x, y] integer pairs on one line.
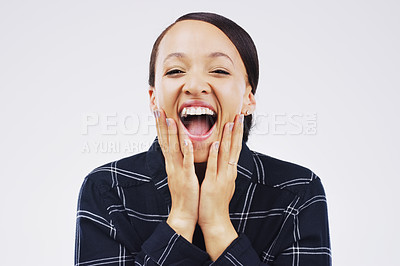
{"points": [[279, 210]]}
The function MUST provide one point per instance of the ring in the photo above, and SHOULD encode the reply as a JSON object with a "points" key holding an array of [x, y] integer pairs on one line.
{"points": [[232, 163]]}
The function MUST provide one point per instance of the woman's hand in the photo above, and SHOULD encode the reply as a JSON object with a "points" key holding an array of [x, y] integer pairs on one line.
{"points": [[217, 190], [182, 180]]}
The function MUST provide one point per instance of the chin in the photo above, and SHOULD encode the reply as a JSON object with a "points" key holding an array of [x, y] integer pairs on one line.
{"points": [[200, 152], [200, 158]]}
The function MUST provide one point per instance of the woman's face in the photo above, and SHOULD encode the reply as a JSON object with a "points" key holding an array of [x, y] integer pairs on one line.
{"points": [[200, 79]]}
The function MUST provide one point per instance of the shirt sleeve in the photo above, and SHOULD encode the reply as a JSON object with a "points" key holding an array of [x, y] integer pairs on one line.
{"points": [[311, 240], [166, 247], [98, 241], [308, 232]]}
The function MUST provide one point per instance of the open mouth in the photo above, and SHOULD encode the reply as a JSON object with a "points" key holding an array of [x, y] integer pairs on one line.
{"points": [[198, 121]]}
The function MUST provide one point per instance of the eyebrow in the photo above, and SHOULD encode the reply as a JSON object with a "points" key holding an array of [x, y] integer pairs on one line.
{"points": [[179, 55], [212, 55], [219, 54]]}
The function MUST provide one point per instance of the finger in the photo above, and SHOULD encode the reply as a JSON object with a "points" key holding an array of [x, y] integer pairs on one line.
{"points": [[237, 137], [225, 146], [173, 141], [188, 158], [162, 131], [156, 117], [212, 162]]}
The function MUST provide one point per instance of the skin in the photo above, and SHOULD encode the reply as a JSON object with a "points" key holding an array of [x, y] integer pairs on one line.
{"points": [[197, 61]]}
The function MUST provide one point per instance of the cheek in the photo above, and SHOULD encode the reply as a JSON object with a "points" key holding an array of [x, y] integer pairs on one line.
{"points": [[231, 105], [168, 93], [231, 97]]}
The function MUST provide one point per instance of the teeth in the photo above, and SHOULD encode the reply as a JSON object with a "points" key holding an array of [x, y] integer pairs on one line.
{"points": [[196, 111]]}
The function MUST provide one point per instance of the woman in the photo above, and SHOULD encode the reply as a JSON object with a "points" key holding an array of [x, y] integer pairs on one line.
{"points": [[199, 195]]}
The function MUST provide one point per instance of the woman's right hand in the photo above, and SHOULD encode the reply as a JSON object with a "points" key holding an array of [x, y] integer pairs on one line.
{"points": [[182, 180]]}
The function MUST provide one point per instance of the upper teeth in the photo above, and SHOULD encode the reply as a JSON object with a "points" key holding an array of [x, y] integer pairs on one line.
{"points": [[196, 111]]}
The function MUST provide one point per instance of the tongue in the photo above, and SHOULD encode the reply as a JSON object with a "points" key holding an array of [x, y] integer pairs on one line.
{"points": [[198, 126]]}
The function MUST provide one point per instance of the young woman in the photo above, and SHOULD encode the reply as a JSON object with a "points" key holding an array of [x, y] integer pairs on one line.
{"points": [[199, 195]]}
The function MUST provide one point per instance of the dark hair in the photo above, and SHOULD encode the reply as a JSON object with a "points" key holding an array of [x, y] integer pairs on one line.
{"points": [[239, 37]]}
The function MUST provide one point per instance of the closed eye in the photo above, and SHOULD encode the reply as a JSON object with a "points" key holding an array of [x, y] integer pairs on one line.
{"points": [[220, 71], [174, 72]]}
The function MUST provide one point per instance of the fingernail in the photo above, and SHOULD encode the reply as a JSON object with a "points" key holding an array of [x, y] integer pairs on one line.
{"points": [[168, 122], [216, 145], [230, 126], [156, 113], [241, 117], [185, 142]]}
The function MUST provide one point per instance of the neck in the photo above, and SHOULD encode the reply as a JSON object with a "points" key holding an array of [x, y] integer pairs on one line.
{"points": [[200, 169]]}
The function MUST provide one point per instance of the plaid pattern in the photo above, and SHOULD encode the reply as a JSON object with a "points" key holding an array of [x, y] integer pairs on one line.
{"points": [[279, 210]]}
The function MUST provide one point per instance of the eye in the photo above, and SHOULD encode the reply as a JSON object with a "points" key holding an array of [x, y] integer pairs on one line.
{"points": [[220, 71], [174, 72]]}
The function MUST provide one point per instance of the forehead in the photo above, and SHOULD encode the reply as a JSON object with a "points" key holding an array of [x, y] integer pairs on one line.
{"points": [[196, 38]]}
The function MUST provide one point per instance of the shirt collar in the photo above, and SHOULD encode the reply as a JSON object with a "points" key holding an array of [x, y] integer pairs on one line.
{"points": [[156, 165]]}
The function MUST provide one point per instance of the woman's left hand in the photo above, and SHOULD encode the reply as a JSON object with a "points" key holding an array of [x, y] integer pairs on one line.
{"points": [[217, 189]]}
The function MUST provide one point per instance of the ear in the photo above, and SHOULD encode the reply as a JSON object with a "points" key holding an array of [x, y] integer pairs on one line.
{"points": [[249, 102], [153, 102]]}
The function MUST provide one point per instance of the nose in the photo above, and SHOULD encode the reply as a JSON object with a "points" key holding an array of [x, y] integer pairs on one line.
{"points": [[196, 84]]}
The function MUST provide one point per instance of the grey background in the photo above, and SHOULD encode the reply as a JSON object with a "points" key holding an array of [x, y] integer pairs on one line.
{"points": [[64, 61]]}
